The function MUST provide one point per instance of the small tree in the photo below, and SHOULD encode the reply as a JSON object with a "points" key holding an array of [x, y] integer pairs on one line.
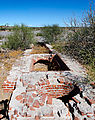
{"points": [[21, 38], [51, 33]]}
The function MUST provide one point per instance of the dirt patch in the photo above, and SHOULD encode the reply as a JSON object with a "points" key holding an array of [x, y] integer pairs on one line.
{"points": [[40, 67]]}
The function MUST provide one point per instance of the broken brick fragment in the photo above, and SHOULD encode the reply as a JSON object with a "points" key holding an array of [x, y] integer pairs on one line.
{"points": [[76, 118], [49, 99], [31, 108], [34, 95], [19, 97], [47, 82], [37, 117], [30, 100], [43, 97], [36, 104], [15, 112]]}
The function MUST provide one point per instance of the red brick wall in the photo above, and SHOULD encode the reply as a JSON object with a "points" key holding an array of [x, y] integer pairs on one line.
{"points": [[9, 86]]}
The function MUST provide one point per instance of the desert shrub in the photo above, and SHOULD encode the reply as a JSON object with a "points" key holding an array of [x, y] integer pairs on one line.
{"points": [[21, 38], [39, 34], [81, 47], [81, 43], [59, 46], [1, 37], [51, 33]]}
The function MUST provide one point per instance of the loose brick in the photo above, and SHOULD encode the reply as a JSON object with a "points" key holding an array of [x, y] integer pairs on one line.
{"points": [[24, 100], [49, 100], [15, 112], [37, 117], [47, 82], [43, 97], [76, 118], [34, 95], [36, 104], [19, 97], [31, 108], [30, 100]]}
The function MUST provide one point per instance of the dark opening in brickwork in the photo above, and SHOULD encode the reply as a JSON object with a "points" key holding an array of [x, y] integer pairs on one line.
{"points": [[54, 64]]}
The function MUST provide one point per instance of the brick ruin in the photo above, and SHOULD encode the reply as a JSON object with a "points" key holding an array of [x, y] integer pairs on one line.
{"points": [[45, 87], [50, 62]]}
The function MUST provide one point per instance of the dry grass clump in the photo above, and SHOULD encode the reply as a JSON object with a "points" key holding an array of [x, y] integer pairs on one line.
{"points": [[39, 50], [10, 54]]}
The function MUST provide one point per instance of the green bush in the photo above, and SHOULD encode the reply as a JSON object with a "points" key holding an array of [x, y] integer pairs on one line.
{"points": [[1, 37], [39, 34], [21, 38], [51, 33]]}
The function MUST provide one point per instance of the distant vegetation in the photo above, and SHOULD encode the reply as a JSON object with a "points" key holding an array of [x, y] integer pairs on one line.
{"points": [[1, 37], [21, 38], [4, 28], [39, 34], [51, 33]]}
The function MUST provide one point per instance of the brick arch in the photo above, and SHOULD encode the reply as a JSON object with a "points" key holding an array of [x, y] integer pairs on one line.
{"points": [[46, 62]]}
